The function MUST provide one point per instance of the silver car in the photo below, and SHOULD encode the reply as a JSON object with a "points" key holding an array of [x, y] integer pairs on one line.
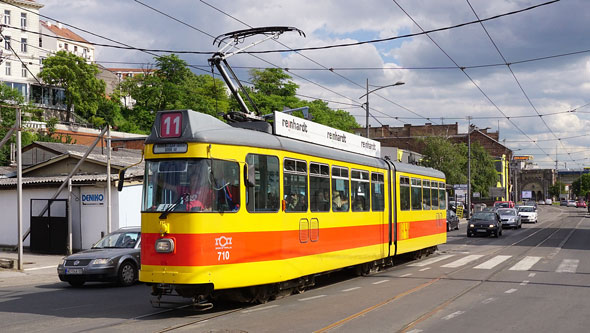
{"points": [[114, 258], [509, 218]]}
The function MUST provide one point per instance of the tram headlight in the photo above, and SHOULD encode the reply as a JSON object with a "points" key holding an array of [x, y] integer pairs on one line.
{"points": [[164, 245]]}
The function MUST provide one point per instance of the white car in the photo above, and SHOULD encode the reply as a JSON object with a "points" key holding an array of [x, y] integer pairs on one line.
{"points": [[548, 201], [527, 214]]}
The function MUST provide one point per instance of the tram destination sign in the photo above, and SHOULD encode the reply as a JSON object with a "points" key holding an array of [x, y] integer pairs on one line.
{"points": [[305, 130]]}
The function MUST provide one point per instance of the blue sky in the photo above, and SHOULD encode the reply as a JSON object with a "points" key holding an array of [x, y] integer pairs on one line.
{"points": [[542, 87]]}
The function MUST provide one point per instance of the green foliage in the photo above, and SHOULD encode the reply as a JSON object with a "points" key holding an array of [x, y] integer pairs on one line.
{"points": [[581, 186], [452, 159], [556, 189], [78, 78]]}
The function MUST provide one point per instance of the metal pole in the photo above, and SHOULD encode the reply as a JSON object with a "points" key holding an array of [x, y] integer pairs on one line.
{"points": [[70, 245], [109, 199], [469, 168], [19, 186], [367, 113]]}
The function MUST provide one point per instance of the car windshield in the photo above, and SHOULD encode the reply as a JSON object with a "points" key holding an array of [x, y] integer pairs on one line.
{"points": [[509, 212], [502, 204], [118, 240], [485, 216], [526, 209]]}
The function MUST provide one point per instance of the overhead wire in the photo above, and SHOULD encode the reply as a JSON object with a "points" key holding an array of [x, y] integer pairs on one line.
{"points": [[467, 75], [515, 78]]}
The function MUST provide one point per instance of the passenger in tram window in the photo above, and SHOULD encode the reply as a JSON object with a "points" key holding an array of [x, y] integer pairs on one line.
{"points": [[324, 201], [359, 204], [292, 202], [301, 203], [339, 204]]}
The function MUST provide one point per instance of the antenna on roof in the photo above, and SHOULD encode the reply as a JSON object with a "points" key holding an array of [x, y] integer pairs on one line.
{"points": [[221, 56]]}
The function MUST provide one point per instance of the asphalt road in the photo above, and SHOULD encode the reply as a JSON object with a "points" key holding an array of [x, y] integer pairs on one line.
{"points": [[534, 279]]}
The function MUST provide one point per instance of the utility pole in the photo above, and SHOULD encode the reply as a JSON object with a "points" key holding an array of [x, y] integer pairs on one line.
{"points": [[19, 187], [469, 168], [367, 109]]}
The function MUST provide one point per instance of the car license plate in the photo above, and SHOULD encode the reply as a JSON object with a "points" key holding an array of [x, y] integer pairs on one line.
{"points": [[73, 270], [482, 230]]}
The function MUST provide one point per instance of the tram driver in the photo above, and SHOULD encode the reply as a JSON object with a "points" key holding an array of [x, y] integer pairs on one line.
{"points": [[199, 195]]}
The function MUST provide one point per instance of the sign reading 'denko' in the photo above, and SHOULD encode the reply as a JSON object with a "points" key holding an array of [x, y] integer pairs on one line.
{"points": [[96, 199], [305, 130]]}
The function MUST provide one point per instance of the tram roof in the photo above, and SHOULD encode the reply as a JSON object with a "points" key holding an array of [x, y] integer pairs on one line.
{"points": [[201, 127]]}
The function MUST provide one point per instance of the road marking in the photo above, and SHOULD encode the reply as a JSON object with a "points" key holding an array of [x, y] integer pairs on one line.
{"points": [[463, 261], [431, 260], [525, 264], [488, 300], [453, 315], [510, 291], [525, 282], [310, 298], [424, 269], [38, 268], [260, 309], [405, 275], [379, 282], [568, 266], [495, 261], [351, 289], [415, 331], [532, 274]]}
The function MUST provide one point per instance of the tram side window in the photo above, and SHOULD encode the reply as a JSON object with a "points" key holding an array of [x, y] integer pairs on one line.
{"points": [[264, 195], [434, 190], [416, 194], [319, 187], [295, 185], [404, 193], [360, 188], [377, 192], [340, 193], [426, 194], [442, 198]]}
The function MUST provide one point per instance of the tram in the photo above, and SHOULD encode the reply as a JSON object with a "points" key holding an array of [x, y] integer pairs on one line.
{"points": [[250, 213]]}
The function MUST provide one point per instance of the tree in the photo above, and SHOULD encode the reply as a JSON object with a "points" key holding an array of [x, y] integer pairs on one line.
{"points": [[556, 189], [452, 159], [581, 186], [78, 78]]}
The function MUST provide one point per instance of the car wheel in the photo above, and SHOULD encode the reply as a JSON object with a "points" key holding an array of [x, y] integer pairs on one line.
{"points": [[468, 235], [127, 274], [448, 226], [76, 282]]}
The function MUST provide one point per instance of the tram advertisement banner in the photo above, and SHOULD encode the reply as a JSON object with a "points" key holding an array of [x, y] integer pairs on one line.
{"points": [[309, 131]]}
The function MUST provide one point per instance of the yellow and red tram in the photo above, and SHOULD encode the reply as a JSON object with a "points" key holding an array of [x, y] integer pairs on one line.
{"points": [[226, 208]]}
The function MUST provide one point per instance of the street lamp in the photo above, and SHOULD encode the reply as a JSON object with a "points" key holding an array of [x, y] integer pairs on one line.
{"points": [[398, 83]]}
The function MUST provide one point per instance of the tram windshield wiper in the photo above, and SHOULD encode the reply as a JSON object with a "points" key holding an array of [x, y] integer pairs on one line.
{"points": [[173, 205]]}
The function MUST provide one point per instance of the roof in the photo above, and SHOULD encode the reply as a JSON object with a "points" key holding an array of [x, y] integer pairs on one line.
{"points": [[61, 31], [131, 70]]}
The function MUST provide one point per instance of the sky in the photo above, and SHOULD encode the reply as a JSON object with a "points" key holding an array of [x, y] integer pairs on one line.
{"points": [[539, 102]]}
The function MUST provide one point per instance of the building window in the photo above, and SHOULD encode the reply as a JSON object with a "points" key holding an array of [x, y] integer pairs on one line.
{"points": [[8, 67], [23, 45], [66, 46], [7, 42], [23, 20], [7, 17], [40, 42], [75, 48], [24, 71]]}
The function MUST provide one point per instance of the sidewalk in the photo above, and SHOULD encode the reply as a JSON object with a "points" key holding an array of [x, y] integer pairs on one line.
{"points": [[37, 269]]}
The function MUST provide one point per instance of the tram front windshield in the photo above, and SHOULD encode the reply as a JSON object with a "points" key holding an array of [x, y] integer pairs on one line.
{"points": [[191, 185]]}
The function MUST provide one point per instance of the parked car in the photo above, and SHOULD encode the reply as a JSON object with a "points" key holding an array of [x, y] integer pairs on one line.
{"points": [[571, 203], [563, 202], [527, 214], [484, 223], [452, 220], [504, 204], [113, 258], [509, 218], [581, 204], [548, 201]]}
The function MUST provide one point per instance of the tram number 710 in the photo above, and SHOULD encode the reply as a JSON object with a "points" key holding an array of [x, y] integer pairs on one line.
{"points": [[170, 125], [222, 255]]}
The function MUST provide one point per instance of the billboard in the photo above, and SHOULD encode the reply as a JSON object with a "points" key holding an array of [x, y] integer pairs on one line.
{"points": [[527, 194]]}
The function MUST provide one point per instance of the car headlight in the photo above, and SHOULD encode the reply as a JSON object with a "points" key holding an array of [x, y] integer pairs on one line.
{"points": [[102, 261], [492, 225], [472, 226]]}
